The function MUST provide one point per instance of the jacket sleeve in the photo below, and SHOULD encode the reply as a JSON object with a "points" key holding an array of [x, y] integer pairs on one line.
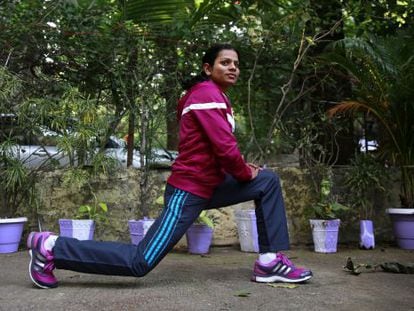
{"points": [[224, 144]]}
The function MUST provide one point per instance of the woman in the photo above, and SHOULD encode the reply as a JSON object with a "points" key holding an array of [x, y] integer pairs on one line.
{"points": [[209, 173]]}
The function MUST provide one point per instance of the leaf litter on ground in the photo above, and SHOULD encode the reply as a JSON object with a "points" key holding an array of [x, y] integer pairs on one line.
{"points": [[394, 267], [283, 285], [242, 293]]}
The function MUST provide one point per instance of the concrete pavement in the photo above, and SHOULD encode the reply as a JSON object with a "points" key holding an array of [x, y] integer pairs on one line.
{"points": [[219, 281]]}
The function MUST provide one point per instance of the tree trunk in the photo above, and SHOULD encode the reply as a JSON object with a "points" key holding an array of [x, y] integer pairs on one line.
{"points": [[130, 138], [170, 90], [130, 92], [342, 146], [172, 124]]}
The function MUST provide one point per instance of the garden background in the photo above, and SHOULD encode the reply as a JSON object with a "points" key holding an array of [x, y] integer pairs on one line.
{"points": [[319, 80]]}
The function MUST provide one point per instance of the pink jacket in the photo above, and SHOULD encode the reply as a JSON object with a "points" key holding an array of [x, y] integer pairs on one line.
{"points": [[207, 148]]}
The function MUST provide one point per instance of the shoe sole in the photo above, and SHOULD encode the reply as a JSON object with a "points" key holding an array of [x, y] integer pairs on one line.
{"points": [[277, 278]]}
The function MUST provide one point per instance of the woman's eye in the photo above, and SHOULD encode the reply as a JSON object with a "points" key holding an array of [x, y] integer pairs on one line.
{"points": [[229, 62]]}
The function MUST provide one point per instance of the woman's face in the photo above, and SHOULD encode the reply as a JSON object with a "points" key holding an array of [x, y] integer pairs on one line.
{"points": [[225, 70]]}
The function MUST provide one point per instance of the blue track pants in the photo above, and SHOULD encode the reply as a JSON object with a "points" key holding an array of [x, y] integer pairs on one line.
{"points": [[180, 211]]}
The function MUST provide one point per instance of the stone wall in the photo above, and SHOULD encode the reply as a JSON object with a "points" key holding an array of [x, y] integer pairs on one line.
{"points": [[120, 192]]}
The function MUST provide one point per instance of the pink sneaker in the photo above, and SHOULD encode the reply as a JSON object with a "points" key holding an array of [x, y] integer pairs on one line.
{"points": [[41, 261], [280, 270]]}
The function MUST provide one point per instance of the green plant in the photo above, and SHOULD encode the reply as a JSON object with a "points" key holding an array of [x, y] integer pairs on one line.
{"points": [[203, 218], [382, 70], [97, 212], [365, 177], [328, 207], [17, 183], [78, 179]]}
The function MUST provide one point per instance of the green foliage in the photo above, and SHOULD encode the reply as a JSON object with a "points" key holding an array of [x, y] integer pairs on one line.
{"points": [[365, 177], [100, 67], [97, 212], [10, 86], [16, 182], [203, 218], [77, 179], [377, 17], [328, 207], [316, 137], [383, 83]]}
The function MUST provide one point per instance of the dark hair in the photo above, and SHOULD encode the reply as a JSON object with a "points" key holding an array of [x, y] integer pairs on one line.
{"points": [[209, 57]]}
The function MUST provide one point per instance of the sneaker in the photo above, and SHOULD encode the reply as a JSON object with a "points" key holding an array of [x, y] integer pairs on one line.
{"points": [[41, 261], [279, 270]]}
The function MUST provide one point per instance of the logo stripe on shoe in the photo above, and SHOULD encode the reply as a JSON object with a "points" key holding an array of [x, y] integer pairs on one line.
{"points": [[277, 267], [282, 269], [287, 270]]}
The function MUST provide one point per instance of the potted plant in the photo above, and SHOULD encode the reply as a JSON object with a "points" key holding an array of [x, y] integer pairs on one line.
{"points": [[138, 228], [16, 183], [382, 71], [325, 224], [14, 178], [247, 230], [200, 234], [83, 227], [364, 179]]}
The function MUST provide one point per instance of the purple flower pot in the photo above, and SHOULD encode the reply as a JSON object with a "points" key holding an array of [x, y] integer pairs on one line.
{"points": [[139, 228], [11, 230], [199, 237], [81, 229], [366, 234], [403, 226], [325, 235]]}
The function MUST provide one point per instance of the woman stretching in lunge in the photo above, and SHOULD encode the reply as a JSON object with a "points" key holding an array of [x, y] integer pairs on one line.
{"points": [[208, 173]]}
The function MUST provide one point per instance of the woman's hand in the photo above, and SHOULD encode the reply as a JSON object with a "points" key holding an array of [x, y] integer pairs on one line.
{"points": [[255, 170]]}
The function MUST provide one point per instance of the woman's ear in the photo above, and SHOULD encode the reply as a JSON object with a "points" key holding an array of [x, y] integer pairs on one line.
{"points": [[207, 68]]}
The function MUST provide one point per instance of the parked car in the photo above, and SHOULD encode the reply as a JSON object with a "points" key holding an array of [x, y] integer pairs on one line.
{"points": [[41, 150], [46, 150]]}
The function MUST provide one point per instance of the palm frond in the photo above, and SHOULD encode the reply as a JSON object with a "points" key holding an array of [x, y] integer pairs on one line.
{"points": [[156, 12], [346, 107], [360, 48]]}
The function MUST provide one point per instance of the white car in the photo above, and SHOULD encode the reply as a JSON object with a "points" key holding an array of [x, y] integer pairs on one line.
{"points": [[42, 150]]}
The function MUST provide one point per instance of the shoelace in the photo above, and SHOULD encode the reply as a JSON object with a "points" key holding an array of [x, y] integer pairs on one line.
{"points": [[284, 259]]}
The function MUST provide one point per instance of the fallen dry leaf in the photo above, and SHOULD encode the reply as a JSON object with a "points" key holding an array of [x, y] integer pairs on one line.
{"points": [[282, 285]]}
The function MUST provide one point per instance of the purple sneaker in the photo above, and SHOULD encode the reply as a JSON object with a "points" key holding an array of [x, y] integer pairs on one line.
{"points": [[41, 261], [280, 270]]}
